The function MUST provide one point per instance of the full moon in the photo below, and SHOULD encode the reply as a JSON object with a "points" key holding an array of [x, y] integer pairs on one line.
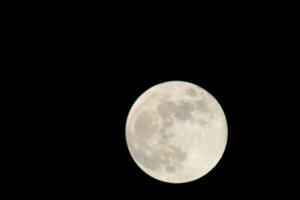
{"points": [[176, 132]]}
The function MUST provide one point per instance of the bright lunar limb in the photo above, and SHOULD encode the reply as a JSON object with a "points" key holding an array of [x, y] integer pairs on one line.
{"points": [[176, 132]]}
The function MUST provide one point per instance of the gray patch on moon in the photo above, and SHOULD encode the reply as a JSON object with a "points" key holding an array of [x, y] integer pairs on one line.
{"points": [[170, 169], [144, 126], [190, 92], [177, 154], [151, 161], [183, 111], [164, 130], [165, 108], [167, 156], [167, 122], [166, 135], [202, 122], [202, 106]]}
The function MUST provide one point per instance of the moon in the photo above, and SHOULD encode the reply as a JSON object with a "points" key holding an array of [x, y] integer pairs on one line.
{"points": [[176, 132]]}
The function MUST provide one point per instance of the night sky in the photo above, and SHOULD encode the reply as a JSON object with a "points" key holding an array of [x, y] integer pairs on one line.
{"points": [[79, 91]]}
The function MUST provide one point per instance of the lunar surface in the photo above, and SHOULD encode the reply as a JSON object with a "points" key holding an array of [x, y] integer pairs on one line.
{"points": [[176, 132]]}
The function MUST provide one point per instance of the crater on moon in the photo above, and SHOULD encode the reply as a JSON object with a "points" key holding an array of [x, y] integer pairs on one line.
{"points": [[191, 92], [145, 124], [202, 106], [165, 108], [166, 155], [183, 111], [161, 157]]}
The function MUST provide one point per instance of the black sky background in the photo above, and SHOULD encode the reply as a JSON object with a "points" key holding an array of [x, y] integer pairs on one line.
{"points": [[84, 76], [92, 157]]}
